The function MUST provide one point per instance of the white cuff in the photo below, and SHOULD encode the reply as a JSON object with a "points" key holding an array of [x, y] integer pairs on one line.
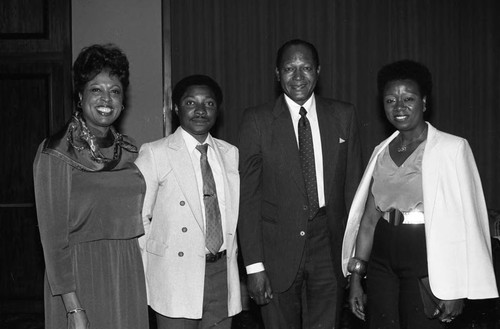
{"points": [[254, 268]]}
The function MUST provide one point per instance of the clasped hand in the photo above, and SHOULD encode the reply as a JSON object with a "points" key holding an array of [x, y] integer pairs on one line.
{"points": [[259, 288], [357, 298], [450, 309]]}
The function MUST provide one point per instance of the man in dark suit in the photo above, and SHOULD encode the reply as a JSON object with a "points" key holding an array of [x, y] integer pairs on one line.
{"points": [[300, 165]]}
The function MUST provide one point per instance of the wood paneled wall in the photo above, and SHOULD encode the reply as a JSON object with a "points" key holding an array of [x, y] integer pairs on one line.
{"points": [[235, 42], [35, 102]]}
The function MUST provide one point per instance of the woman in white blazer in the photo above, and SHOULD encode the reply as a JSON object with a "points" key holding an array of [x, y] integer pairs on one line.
{"points": [[418, 216]]}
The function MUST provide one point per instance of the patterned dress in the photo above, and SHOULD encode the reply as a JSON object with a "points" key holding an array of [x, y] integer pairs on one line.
{"points": [[89, 224]]}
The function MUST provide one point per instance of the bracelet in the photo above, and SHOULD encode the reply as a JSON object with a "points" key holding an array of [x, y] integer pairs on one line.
{"points": [[357, 266], [75, 310]]}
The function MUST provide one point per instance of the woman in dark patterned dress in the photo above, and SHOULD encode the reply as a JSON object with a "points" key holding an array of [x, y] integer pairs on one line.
{"points": [[89, 197]]}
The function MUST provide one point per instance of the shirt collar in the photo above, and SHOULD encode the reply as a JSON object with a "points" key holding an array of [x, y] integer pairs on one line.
{"points": [[309, 106], [191, 142]]}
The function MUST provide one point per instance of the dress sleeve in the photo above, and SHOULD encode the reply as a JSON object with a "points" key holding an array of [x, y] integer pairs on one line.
{"points": [[52, 178]]}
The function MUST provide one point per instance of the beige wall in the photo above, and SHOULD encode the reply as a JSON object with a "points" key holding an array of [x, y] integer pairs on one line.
{"points": [[135, 26]]}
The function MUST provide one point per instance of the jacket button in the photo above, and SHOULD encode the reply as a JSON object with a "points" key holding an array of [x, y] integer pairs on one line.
{"points": [[302, 233], [184, 229], [304, 207], [182, 203], [180, 254]]}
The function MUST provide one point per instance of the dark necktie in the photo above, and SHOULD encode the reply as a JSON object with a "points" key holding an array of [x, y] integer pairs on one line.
{"points": [[213, 235], [306, 152]]}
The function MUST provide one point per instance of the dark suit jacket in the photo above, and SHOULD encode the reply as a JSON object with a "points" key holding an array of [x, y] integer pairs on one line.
{"points": [[273, 206]]}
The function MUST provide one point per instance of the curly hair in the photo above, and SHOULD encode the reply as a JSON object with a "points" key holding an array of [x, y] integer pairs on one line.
{"points": [[94, 59], [196, 80], [406, 70]]}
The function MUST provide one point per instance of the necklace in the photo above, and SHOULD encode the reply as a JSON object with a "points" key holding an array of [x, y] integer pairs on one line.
{"points": [[404, 147], [92, 143]]}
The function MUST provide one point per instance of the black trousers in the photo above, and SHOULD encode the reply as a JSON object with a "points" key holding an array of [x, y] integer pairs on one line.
{"points": [[314, 299], [398, 259]]}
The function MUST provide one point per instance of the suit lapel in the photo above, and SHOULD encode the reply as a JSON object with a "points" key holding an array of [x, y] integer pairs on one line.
{"points": [[430, 170], [329, 131], [184, 172], [286, 143]]}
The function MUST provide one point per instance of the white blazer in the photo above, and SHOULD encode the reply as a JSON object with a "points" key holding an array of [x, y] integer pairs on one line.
{"points": [[173, 246], [456, 220]]}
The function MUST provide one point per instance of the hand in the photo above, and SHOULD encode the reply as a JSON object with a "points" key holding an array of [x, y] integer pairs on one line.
{"points": [[259, 288], [78, 320], [357, 297], [450, 309]]}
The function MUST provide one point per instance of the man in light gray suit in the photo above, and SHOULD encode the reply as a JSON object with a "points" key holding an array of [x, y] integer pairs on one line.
{"points": [[190, 215]]}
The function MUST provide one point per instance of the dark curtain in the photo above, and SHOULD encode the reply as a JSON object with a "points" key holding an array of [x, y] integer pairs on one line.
{"points": [[235, 42]]}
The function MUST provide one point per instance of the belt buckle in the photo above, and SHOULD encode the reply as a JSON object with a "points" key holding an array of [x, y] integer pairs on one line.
{"points": [[211, 258], [396, 217]]}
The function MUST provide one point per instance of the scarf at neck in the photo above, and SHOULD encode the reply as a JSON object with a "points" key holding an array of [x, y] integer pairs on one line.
{"points": [[78, 147]]}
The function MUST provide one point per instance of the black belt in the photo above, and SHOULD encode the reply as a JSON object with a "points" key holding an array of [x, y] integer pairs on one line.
{"points": [[211, 258]]}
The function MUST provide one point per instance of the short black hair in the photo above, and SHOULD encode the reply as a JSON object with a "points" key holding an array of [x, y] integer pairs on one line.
{"points": [[406, 69], [94, 59], [196, 80], [297, 42]]}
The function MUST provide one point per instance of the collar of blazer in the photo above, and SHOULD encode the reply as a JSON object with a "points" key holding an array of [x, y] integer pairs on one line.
{"points": [[176, 142], [180, 162], [430, 172]]}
